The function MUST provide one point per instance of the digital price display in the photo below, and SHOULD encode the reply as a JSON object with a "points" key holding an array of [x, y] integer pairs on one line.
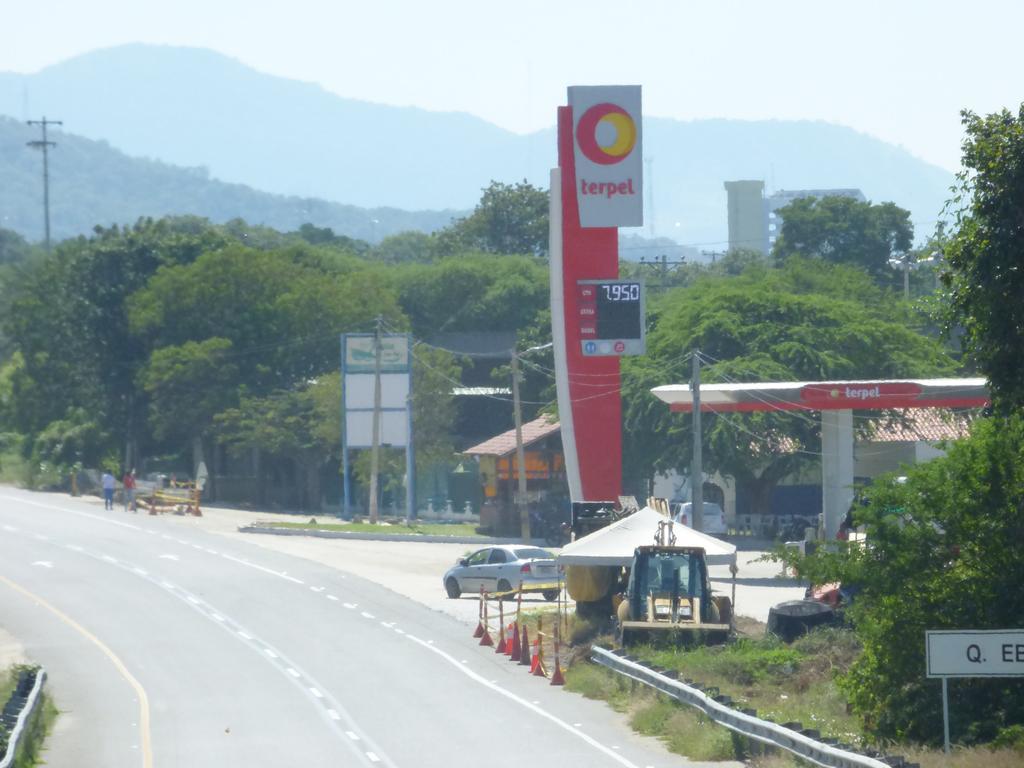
{"points": [[611, 314]]}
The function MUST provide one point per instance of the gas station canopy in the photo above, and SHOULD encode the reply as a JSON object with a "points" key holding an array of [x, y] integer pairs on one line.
{"points": [[828, 395]]}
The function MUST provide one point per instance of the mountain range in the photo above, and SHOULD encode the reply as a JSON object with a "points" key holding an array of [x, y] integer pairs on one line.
{"points": [[222, 120]]}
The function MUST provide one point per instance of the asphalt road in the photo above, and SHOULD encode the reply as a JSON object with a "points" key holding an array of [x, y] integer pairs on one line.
{"points": [[170, 644]]}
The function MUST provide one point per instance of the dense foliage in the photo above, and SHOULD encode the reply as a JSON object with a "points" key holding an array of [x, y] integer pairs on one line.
{"points": [[984, 255], [943, 552], [806, 321]]}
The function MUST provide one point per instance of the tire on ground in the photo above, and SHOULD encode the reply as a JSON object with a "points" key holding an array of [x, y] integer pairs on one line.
{"points": [[793, 618]]}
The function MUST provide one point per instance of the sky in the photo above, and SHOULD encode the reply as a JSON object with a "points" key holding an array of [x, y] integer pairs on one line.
{"points": [[899, 70]]}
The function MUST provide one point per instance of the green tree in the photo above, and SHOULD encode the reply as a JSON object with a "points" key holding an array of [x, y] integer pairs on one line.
{"points": [[985, 278], [509, 219], [943, 553], [807, 321], [846, 231]]}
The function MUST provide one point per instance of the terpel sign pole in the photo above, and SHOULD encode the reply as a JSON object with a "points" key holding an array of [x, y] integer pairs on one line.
{"points": [[596, 189]]}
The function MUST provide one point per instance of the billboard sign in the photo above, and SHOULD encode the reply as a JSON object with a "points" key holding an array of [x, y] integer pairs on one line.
{"points": [[360, 357], [608, 153]]}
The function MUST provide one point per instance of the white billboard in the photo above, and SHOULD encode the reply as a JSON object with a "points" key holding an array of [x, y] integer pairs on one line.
{"points": [[608, 151], [394, 390], [394, 429]]}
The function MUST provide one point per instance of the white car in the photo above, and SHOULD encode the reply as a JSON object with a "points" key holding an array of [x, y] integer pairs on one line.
{"points": [[714, 517], [503, 568]]}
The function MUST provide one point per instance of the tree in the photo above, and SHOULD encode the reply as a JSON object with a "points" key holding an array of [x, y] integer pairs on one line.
{"points": [[943, 552], [985, 278], [509, 219], [846, 231], [807, 321]]}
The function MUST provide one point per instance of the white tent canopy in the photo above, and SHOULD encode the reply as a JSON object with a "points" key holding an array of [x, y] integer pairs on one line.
{"points": [[615, 544]]}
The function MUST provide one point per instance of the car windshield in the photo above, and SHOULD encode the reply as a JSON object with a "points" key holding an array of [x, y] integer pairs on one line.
{"points": [[533, 553]]}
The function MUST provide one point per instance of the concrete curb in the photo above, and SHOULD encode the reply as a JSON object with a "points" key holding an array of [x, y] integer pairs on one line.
{"points": [[35, 696], [360, 536]]}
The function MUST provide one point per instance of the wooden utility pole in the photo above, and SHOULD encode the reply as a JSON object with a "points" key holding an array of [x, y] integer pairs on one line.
{"points": [[697, 470], [375, 438], [521, 505], [45, 145]]}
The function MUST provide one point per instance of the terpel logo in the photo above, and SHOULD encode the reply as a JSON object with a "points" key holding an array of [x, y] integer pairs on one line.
{"points": [[864, 393], [608, 119]]}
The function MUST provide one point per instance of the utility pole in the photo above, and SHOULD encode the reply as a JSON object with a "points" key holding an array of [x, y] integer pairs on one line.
{"points": [[375, 439], [906, 277], [697, 470], [524, 511], [45, 145]]}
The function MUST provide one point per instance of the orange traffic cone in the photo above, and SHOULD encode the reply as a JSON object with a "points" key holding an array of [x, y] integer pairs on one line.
{"points": [[509, 636], [485, 638], [524, 649], [500, 647], [557, 678], [515, 650], [537, 668], [479, 631]]}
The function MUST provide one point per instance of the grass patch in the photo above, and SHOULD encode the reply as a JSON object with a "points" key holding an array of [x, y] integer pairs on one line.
{"points": [[684, 731], [416, 529], [39, 728]]}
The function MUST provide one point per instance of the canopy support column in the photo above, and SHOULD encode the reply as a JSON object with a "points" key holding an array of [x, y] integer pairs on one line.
{"points": [[836, 468]]}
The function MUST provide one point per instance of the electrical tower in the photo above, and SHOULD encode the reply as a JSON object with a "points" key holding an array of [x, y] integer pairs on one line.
{"points": [[45, 145]]}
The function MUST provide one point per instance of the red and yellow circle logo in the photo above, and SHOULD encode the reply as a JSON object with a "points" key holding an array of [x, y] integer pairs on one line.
{"points": [[622, 125]]}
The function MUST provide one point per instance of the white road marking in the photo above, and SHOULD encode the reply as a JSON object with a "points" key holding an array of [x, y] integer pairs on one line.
{"points": [[140, 571], [193, 600], [165, 536], [43, 563], [373, 757], [332, 597], [333, 714], [292, 672], [109, 559], [351, 606], [351, 735], [244, 635], [10, 528], [523, 702], [270, 653], [41, 537], [169, 557], [213, 551], [166, 585], [74, 548], [216, 617], [399, 631], [101, 518], [317, 589], [316, 693], [281, 574], [368, 615]]}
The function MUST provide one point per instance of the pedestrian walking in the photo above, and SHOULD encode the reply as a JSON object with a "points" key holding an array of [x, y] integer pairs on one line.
{"points": [[129, 490], [107, 481]]}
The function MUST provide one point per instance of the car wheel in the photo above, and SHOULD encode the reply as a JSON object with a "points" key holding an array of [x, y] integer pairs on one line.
{"points": [[452, 588], [550, 595], [504, 586]]}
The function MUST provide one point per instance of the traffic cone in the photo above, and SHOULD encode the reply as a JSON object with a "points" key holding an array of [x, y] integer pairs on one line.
{"points": [[515, 650], [500, 647], [509, 636], [479, 631], [557, 678], [485, 638], [524, 649]]}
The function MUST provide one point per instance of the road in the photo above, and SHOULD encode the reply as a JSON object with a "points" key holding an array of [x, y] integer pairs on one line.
{"points": [[170, 644]]}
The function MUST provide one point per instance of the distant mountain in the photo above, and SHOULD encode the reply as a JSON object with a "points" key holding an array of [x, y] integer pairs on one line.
{"points": [[198, 108], [91, 183]]}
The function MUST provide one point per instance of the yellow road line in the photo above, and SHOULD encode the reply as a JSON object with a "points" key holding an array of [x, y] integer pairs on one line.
{"points": [[144, 734]]}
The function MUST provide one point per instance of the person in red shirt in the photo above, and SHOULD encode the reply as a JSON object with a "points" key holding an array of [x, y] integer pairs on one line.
{"points": [[129, 490]]}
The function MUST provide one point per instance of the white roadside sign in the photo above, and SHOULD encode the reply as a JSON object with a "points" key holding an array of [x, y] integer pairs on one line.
{"points": [[975, 653]]}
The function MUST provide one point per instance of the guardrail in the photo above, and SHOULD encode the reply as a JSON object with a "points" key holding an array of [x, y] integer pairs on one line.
{"points": [[26, 704], [806, 743]]}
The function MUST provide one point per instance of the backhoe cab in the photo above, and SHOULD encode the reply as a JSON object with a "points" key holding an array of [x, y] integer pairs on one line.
{"points": [[669, 599]]}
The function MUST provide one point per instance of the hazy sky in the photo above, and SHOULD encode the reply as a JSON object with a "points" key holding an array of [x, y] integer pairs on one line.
{"points": [[900, 70]]}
